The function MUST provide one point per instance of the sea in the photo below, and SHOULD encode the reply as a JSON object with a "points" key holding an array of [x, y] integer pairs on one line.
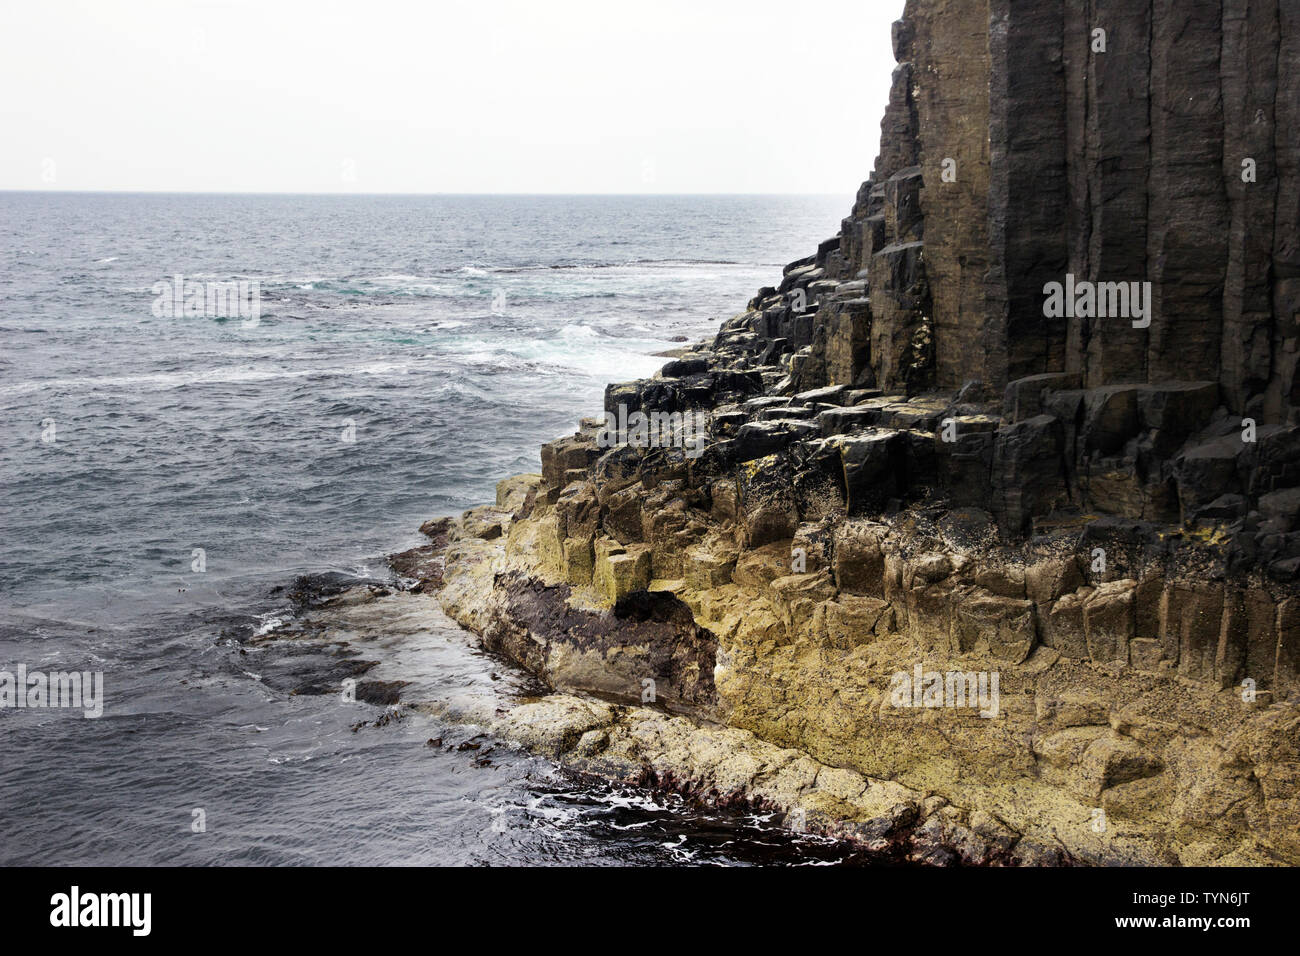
{"points": [[166, 475]]}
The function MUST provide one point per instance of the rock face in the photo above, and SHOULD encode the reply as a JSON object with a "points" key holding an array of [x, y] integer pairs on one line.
{"points": [[1035, 560], [1027, 141]]}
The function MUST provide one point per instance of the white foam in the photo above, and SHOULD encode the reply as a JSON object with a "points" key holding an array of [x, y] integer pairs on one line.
{"points": [[235, 374], [269, 623]]}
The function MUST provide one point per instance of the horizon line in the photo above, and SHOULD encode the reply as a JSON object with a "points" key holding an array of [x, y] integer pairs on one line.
{"points": [[271, 192]]}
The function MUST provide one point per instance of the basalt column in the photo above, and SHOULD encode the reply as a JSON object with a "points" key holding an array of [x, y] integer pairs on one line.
{"points": [[1027, 202], [1187, 241], [1108, 134], [1250, 172], [1284, 394], [952, 100]]}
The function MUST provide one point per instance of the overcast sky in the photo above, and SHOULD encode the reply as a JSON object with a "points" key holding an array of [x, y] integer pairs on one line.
{"points": [[443, 96]]}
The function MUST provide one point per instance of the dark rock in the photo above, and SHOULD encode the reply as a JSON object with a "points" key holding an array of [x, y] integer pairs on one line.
{"points": [[842, 421], [873, 464], [831, 395], [682, 367], [1028, 472], [1024, 397], [760, 439]]}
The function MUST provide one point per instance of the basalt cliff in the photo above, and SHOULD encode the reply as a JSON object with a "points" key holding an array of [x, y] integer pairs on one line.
{"points": [[962, 572]]}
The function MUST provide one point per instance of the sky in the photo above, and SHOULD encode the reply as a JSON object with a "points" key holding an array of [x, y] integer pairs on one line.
{"points": [[443, 96]]}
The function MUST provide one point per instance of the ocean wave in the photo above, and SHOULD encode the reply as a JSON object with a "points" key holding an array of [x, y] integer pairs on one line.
{"points": [[267, 624], [580, 332], [221, 376], [599, 264]]}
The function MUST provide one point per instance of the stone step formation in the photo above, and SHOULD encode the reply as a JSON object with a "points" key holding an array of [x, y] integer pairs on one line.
{"points": [[914, 457]]}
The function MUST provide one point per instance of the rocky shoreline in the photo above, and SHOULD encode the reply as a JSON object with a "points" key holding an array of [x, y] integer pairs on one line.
{"points": [[754, 668], [1071, 537]]}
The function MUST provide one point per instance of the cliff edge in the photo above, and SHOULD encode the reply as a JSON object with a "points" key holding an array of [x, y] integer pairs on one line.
{"points": [[997, 519]]}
